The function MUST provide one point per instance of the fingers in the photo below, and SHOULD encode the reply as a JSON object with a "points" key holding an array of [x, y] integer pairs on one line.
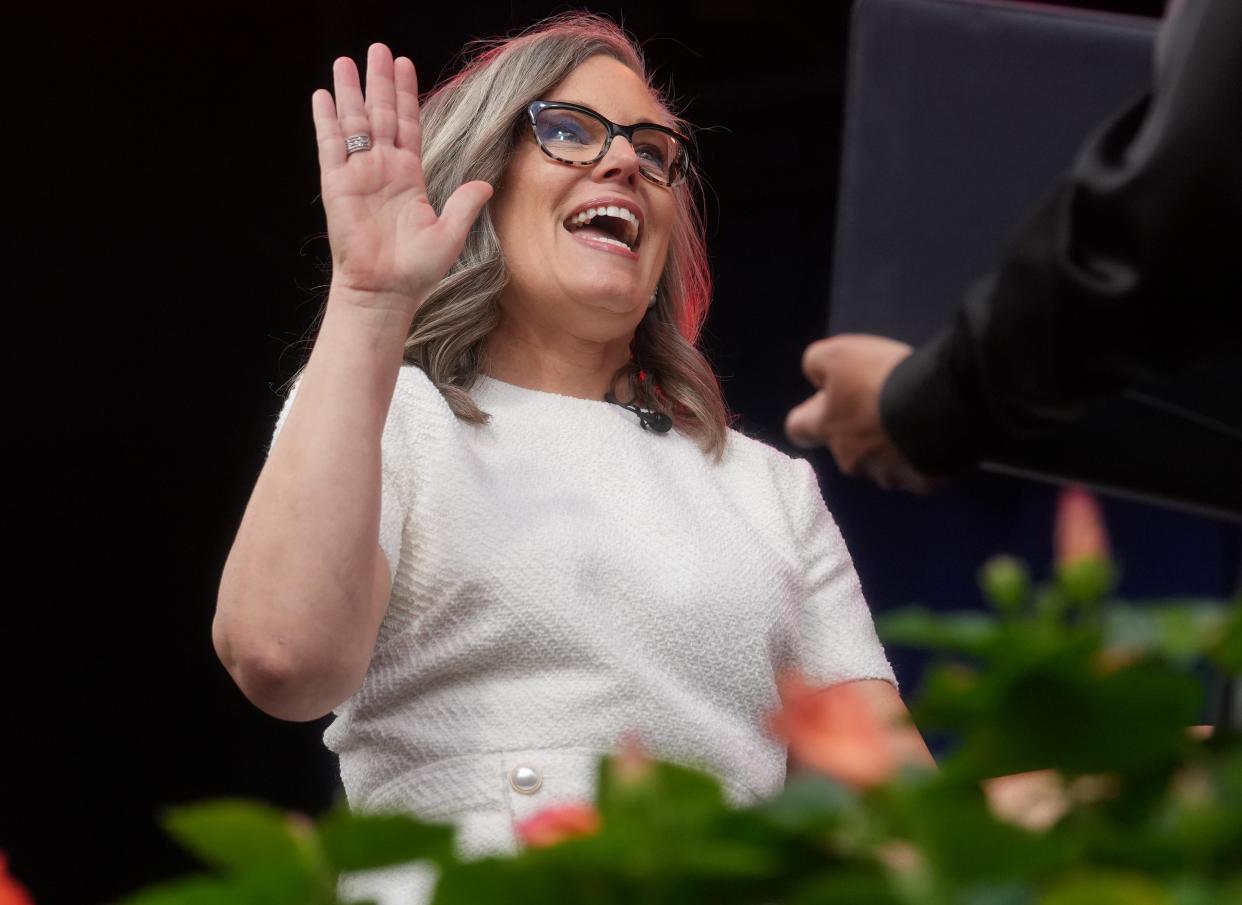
{"points": [[890, 471], [327, 131], [850, 353], [388, 113], [462, 209], [381, 97], [804, 422], [350, 107], [815, 361], [409, 122]]}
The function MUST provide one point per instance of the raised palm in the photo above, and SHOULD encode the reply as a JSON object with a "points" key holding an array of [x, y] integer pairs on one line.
{"points": [[389, 246]]}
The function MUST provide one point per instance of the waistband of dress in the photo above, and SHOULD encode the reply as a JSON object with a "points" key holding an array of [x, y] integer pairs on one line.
{"points": [[489, 780]]}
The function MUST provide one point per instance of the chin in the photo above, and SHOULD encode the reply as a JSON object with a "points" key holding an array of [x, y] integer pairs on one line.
{"points": [[618, 306], [603, 318], [619, 296]]}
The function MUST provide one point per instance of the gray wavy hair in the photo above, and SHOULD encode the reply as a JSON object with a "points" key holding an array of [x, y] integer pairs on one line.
{"points": [[469, 131]]}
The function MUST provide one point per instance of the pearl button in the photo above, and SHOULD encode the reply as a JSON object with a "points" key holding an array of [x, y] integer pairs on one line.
{"points": [[525, 779]]}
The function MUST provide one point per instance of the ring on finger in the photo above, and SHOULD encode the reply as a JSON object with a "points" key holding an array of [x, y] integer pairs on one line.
{"points": [[359, 142]]}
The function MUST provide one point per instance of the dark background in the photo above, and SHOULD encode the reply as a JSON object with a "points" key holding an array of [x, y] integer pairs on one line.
{"points": [[178, 257]]}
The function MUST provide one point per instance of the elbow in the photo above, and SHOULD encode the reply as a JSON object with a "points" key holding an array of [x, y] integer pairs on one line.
{"points": [[284, 700], [277, 686], [284, 694]]}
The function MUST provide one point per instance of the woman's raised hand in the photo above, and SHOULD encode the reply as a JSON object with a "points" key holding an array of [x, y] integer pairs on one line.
{"points": [[389, 248]]}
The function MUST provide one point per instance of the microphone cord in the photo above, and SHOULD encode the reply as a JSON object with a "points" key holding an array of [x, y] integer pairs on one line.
{"points": [[658, 422]]}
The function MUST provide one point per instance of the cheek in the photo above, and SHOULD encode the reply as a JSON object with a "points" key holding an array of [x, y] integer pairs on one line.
{"points": [[665, 212], [522, 241], [516, 205], [664, 243]]}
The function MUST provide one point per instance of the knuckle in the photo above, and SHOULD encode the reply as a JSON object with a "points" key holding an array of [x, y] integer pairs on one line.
{"points": [[816, 353]]}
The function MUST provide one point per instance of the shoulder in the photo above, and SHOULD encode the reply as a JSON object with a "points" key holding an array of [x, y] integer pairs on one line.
{"points": [[414, 387], [792, 481], [747, 452], [417, 406]]}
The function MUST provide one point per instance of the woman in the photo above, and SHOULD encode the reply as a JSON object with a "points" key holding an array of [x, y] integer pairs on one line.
{"points": [[488, 572]]}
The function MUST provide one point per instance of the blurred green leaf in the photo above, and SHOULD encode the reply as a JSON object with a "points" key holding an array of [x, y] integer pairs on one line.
{"points": [[807, 804], [849, 886], [1101, 887], [1187, 890], [1064, 714], [233, 834], [966, 632], [266, 885], [188, 891], [680, 793], [1227, 654], [364, 841], [991, 892], [966, 844], [502, 880], [1064, 706], [1180, 630], [954, 697]]}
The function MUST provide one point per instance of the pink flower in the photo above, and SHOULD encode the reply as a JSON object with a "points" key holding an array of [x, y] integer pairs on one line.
{"points": [[835, 731], [1080, 532], [11, 892], [1038, 799], [1035, 800], [631, 763], [558, 823]]}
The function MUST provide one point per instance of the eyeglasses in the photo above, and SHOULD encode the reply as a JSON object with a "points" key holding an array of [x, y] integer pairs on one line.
{"points": [[578, 135]]}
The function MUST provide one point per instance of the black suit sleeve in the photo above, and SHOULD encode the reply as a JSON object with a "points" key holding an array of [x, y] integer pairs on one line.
{"points": [[1128, 270]]}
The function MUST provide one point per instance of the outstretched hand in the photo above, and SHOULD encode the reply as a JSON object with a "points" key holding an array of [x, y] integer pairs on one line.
{"points": [[849, 372], [388, 243]]}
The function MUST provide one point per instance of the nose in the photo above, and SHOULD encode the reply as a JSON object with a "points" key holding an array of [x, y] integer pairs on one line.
{"points": [[620, 163]]}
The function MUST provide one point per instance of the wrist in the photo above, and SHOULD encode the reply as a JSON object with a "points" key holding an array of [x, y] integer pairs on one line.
{"points": [[383, 313], [381, 325]]}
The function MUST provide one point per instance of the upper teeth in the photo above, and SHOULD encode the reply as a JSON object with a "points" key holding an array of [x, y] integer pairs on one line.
{"points": [[610, 210]]}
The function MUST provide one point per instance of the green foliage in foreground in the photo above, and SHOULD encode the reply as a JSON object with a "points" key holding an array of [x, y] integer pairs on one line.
{"points": [[1057, 678]]}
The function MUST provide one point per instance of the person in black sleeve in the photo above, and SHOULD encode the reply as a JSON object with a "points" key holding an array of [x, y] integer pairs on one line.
{"points": [[1131, 268]]}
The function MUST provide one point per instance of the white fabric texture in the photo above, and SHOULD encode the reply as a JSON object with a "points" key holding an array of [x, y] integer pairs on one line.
{"points": [[563, 579]]}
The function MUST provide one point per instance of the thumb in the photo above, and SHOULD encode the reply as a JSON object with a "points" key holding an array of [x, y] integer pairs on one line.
{"points": [[462, 209], [804, 423]]}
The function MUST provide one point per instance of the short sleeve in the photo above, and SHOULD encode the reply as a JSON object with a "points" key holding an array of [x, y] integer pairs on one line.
{"points": [[834, 636], [392, 495]]}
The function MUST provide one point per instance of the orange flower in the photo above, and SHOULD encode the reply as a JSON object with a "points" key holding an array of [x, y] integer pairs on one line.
{"points": [[1080, 532], [11, 892], [835, 731], [558, 823]]}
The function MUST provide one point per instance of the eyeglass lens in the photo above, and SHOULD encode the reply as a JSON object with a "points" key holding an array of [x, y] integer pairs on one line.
{"points": [[578, 137]]}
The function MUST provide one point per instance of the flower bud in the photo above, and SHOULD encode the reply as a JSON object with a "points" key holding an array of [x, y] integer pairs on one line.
{"points": [[1005, 582], [631, 764], [1080, 531], [1084, 569], [556, 824]]}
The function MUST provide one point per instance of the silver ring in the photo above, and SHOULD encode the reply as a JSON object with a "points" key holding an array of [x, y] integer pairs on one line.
{"points": [[361, 142]]}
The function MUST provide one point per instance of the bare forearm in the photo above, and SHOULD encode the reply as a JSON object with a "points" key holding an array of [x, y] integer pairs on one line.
{"points": [[298, 607]]}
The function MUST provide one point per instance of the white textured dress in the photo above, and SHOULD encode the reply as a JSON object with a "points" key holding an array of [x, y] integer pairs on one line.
{"points": [[563, 579]]}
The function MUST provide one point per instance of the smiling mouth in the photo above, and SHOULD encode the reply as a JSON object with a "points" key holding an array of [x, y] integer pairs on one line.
{"points": [[608, 224]]}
